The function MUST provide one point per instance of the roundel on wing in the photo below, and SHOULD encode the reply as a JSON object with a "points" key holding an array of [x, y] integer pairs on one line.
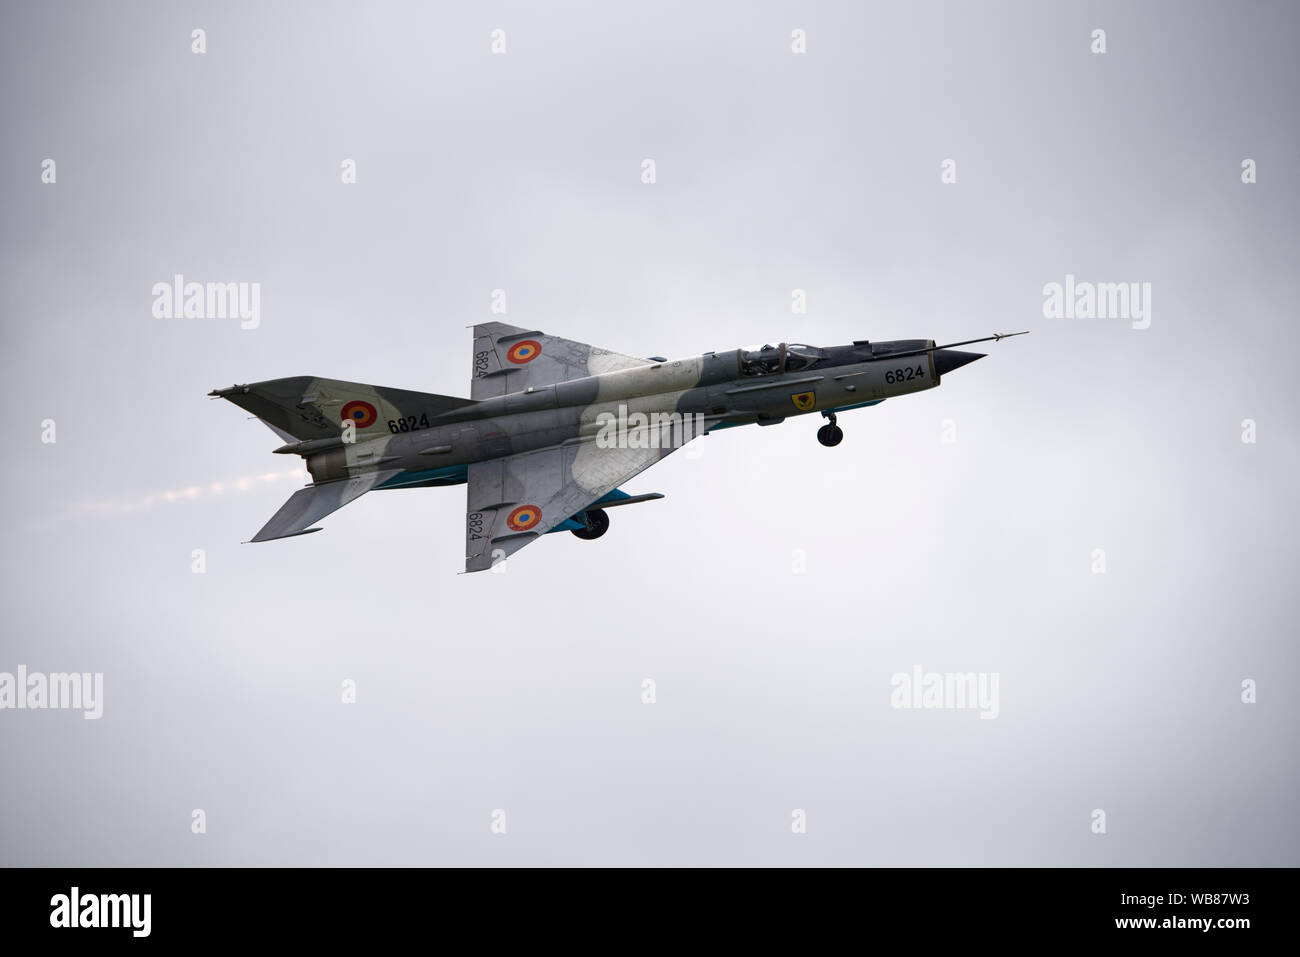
{"points": [[525, 351], [361, 414], [524, 517]]}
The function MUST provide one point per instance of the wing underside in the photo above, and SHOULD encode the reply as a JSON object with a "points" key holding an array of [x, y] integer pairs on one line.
{"points": [[513, 501], [511, 359]]}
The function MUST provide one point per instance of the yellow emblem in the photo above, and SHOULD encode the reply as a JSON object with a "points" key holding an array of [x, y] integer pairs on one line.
{"points": [[804, 401]]}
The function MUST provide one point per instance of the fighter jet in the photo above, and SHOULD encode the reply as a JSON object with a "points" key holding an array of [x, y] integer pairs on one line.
{"points": [[554, 427]]}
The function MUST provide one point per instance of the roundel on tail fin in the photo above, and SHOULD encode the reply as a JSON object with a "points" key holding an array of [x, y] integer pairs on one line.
{"points": [[361, 414]]}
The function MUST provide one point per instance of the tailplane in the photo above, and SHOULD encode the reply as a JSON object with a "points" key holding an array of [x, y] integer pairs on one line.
{"points": [[309, 505], [309, 414]]}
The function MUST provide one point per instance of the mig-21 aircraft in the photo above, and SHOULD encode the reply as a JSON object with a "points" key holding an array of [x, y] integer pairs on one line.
{"points": [[553, 427]]}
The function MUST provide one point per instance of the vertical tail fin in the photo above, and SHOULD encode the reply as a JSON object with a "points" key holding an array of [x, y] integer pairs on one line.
{"points": [[309, 407]]}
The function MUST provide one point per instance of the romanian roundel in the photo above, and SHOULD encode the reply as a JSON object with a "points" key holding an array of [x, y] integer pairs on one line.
{"points": [[361, 414], [524, 517], [524, 351]]}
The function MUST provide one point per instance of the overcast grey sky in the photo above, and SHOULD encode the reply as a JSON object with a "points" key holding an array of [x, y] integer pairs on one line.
{"points": [[775, 171]]}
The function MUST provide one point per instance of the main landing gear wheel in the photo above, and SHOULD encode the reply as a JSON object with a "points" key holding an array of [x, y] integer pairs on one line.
{"points": [[597, 525], [830, 433]]}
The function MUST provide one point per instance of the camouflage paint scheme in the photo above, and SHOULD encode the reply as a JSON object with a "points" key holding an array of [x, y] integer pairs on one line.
{"points": [[526, 441]]}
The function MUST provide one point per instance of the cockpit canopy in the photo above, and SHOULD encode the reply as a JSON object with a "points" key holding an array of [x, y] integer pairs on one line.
{"points": [[774, 360], [800, 356]]}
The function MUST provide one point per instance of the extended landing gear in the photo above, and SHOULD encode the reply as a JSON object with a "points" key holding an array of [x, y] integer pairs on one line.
{"points": [[597, 525], [828, 435]]}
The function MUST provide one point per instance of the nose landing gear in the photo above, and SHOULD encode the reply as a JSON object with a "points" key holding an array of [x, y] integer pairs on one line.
{"points": [[828, 435]]}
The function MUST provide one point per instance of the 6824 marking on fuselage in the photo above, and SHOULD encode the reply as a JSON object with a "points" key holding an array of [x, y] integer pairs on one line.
{"points": [[409, 423]]}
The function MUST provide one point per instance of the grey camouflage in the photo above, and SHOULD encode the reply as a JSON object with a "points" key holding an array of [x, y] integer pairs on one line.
{"points": [[554, 427]]}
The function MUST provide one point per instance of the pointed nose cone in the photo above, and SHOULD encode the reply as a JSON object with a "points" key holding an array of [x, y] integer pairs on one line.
{"points": [[945, 360]]}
